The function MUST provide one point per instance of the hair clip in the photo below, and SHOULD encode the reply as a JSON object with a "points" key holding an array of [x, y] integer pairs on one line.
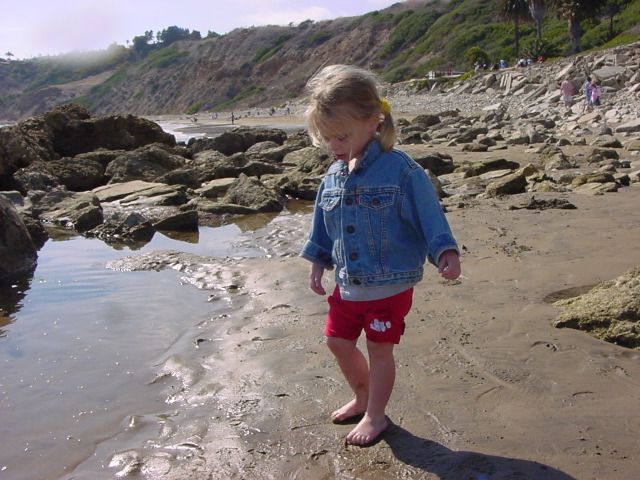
{"points": [[385, 106]]}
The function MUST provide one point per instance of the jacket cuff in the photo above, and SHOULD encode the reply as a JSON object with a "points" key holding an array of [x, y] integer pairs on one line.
{"points": [[316, 254]]}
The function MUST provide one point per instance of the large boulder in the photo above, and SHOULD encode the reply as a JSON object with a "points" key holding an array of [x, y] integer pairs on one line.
{"points": [[79, 211], [77, 175], [211, 165], [112, 133], [32, 140], [18, 254], [146, 163], [237, 140], [610, 311], [250, 192]]}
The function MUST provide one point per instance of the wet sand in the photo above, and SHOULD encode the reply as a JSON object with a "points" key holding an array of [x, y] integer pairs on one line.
{"points": [[486, 387]]}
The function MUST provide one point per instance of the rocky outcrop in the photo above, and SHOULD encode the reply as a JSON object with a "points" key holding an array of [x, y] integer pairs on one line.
{"points": [[18, 253], [610, 311], [70, 130]]}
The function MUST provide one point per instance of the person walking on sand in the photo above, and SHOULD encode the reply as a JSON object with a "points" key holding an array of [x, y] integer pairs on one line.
{"points": [[377, 220], [567, 92]]}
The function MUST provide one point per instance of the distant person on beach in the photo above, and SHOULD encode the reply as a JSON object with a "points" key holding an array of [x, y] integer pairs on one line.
{"points": [[595, 94], [377, 220], [567, 92], [587, 92]]}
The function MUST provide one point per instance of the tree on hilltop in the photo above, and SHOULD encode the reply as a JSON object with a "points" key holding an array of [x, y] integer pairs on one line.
{"points": [[518, 12], [172, 34], [538, 8], [575, 11]]}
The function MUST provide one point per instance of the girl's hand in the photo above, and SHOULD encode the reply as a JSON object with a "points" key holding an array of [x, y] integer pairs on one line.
{"points": [[315, 279], [449, 265]]}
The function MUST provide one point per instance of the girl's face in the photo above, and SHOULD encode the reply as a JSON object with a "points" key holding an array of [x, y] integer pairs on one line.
{"points": [[349, 141]]}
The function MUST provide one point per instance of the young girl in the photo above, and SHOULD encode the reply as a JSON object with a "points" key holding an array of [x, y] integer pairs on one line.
{"points": [[377, 220]]}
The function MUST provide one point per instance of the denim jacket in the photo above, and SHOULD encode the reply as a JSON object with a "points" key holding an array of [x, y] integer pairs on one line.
{"points": [[379, 223]]}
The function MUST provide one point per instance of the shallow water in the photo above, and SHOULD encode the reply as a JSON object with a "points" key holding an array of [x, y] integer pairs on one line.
{"points": [[78, 351]]}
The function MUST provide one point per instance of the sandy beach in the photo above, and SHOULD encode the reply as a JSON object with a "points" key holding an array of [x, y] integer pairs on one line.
{"points": [[486, 387]]}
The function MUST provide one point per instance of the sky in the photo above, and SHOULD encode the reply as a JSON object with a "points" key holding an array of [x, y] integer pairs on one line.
{"points": [[31, 28]]}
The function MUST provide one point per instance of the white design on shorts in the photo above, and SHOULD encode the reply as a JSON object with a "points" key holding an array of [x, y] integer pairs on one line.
{"points": [[379, 326]]}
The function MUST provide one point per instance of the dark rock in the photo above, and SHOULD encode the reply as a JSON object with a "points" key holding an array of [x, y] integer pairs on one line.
{"points": [[427, 120], [79, 211], [146, 163], [182, 222], [489, 165], [250, 192], [18, 253], [507, 185], [111, 133], [182, 176], [237, 140], [77, 175]]}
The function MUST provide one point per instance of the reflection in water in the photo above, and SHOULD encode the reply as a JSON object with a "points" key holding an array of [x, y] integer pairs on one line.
{"points": [[187, 237], [79, 343], [11, 295]]}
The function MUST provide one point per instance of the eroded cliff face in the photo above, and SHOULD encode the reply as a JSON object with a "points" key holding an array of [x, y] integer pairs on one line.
{"points": [[258, 67]]}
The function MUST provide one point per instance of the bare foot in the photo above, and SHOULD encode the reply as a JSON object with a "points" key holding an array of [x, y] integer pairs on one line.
{"points": [[348, 410], [367, 431]]}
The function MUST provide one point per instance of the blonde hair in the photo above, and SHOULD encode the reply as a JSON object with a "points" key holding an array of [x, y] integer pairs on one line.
{"points": [[343, 94]]}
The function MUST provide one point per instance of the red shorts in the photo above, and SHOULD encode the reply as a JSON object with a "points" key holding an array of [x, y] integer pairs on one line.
{"points": [[382, 320]]}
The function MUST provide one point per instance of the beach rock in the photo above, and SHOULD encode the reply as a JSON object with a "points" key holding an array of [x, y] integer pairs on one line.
{"points": [[77, 175], [553, 158], [210, 207], [250, 192], [182, 176], [607, 141], [629, 127], [180, 222], [507, 185], [127, 228], [237, 140], [78, 211], [146, 163], [596, 177], [427, 120], [268, 151], [436, 162], [596, 188], [610, 311], [18, 253], [215, 188], [69, 130], [114, 132], [489, 165], [211, 165]]}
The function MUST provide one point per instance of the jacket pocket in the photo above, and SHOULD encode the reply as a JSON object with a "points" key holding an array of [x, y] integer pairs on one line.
{"points": [[376, 201], [329, 202]]}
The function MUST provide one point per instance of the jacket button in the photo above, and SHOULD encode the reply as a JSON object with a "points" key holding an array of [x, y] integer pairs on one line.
{"points": [[349, 201], [357, 282], [376, 201], [353, 256], [351, 229]]}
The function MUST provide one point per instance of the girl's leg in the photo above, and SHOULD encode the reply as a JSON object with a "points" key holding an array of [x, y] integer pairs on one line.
{"points": [[354, 367], [382, 375]]}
